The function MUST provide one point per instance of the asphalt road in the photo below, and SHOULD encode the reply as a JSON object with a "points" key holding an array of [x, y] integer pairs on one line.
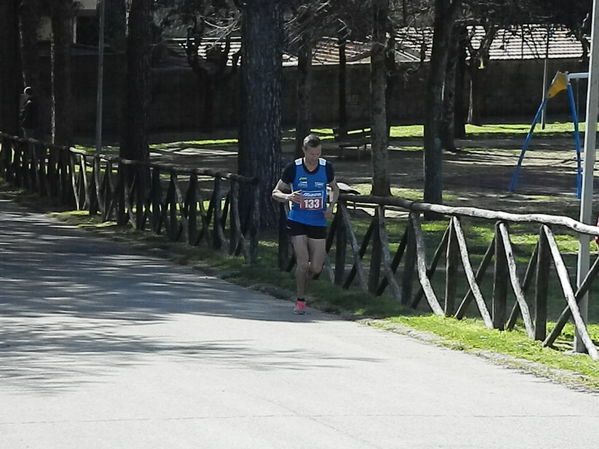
{"points": [[102, 346]]}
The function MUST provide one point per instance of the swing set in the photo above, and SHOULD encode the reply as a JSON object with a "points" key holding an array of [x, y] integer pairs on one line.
{"points": [[560, 82]]}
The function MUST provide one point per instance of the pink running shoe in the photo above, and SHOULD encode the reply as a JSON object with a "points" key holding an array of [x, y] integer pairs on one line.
{"points": [[300, 307]]}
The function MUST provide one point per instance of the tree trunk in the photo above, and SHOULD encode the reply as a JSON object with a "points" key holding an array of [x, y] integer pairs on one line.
{"points": [[29, 21], [378, 93], [303, 120], [115, 25], [9, 68], [115, 36], [449, 96], [445, 13], [62, 38], [459, 110], [137, 99], [392, 70], [207, 122], [476, 96], [479, 59], [342, 132], [261, 77]]}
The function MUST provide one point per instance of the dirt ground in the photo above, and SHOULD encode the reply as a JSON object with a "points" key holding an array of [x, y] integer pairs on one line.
{"points": [[478, 175]]}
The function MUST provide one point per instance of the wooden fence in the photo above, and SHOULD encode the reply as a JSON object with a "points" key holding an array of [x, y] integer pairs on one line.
{"points": [[202, 206], [199, 206], [408, 273]]}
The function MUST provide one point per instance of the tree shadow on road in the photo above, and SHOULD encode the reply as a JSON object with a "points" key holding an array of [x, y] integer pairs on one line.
{"points": [[75, 309]]}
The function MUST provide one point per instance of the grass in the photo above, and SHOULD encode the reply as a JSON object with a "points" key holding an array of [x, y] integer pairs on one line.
{"points": [[397, 131], [417, 131], [405, 193], [194, 143], [470, 335]]}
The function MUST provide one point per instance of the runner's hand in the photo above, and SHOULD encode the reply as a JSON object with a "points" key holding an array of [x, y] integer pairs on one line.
{"points": [[328, 214], [295, 197]]}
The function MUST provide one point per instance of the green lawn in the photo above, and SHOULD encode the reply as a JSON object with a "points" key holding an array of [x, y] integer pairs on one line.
{"points": [[398, 131]]}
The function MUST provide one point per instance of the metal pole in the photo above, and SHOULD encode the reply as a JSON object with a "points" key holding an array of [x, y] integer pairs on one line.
{"points": [[101, 11], [590, 136]]}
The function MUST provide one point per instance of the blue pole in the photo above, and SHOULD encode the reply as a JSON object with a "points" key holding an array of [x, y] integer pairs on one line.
{"points": [[516, 173], [576, 141]]}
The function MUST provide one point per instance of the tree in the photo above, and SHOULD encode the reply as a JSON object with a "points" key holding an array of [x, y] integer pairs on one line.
{"points": [[303, 121], [342, 93], [445, 15], [115, 36], [29, 21], [61, 15], [201, 19], [210, 71], [261, 78], [518, 17], [477, 63], [344, 18], [378, 95], [115, 26], [9, 68], [134, 143], [314, 19], [304, 46], [576, 16], [453, 90]]}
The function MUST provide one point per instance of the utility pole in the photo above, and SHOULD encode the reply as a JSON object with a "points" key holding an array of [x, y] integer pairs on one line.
{"points": [[590, 136]]}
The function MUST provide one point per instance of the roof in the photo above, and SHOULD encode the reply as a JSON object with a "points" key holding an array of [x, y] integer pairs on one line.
{"points": [[511, 44], [326, 52], [415, 44]]}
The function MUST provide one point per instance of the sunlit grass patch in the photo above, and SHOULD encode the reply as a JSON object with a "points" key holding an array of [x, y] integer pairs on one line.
{"points": [[472, 335]]}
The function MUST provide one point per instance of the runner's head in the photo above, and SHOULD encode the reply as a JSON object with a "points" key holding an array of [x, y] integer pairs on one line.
{"points": [[312, 148]]}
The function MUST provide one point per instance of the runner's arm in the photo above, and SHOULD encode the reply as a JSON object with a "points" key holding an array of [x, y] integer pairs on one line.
{"points": [[282, 193]]}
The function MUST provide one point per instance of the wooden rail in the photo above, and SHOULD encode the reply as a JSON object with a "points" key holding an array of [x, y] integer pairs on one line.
{"points": [[410, 263], [199, 206]]}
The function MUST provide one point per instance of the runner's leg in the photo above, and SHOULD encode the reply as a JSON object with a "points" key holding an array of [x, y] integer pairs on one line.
{"points": [[317, 251], [300, 248]]}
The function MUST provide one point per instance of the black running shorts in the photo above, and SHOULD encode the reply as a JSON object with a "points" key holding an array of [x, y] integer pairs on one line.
{"points": [[312, 232]]}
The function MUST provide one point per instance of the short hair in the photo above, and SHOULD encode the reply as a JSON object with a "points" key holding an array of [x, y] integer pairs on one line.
{"points": [[312, 141], [28, 91]]}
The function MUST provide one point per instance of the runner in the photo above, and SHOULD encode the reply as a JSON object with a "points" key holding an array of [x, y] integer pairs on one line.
{"points": [[304, 183]]}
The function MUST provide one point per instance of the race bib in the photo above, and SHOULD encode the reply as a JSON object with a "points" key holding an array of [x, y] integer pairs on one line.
{"points": [[312, 201]]}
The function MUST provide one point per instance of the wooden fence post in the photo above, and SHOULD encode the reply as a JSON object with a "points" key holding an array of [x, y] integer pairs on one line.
{"points": [[409, 267], [386, 260], [156, 199], [451, 270], [190, 209], [217, 230], [500, 282], [541, 287], [374, 273], [340, 248]]}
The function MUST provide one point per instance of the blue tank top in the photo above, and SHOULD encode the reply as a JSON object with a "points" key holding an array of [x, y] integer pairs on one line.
{"points": [[313, 187]]}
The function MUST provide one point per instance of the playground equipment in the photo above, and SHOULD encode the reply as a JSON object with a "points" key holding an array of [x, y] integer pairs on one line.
{"points": [[560, 82]]}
